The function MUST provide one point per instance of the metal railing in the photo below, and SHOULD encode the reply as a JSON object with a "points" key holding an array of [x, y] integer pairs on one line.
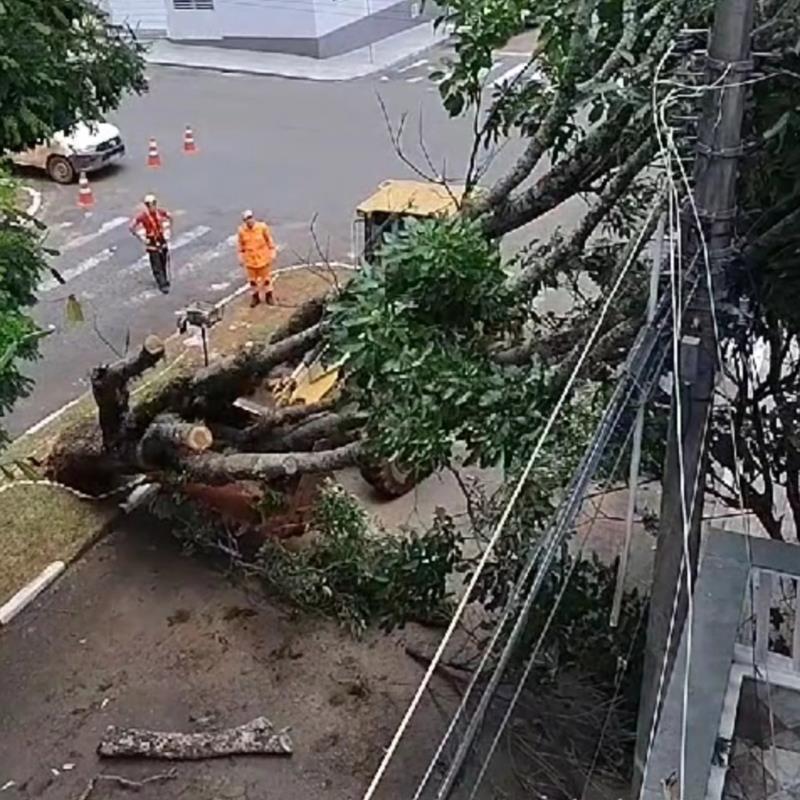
{"points": [[771, 624]]}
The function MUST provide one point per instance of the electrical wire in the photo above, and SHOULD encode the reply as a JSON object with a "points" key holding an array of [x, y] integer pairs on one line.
{"points": [[522, 480], [523, 614], [711, 291], [667, 153]]}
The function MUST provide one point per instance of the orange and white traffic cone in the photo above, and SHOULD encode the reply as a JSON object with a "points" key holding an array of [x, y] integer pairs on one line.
{"points": [[189, 145], [85, 195], [153, 157]]}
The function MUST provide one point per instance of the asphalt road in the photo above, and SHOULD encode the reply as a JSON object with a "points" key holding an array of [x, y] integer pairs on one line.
{"points": [[294, 151]]}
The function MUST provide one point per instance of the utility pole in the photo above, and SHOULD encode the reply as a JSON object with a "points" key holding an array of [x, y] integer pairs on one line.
{"points": [[728, 66]]}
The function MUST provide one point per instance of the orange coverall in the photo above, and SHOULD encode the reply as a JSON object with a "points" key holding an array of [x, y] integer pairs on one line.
{"points": [[256, 254]]}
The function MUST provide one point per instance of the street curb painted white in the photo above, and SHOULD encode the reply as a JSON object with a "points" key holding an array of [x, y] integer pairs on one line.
{"points": [[36, 201], [28, 593]]}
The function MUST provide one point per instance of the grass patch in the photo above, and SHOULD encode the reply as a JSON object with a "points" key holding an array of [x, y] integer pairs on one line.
{"points": [[41, 524]]}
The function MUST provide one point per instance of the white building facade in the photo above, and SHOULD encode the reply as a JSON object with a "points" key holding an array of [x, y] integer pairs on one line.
{"points": [[317, 28]]}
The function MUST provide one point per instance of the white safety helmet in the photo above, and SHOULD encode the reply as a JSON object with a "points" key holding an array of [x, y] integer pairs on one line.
{"points": [[149, 199], [248, 214]]}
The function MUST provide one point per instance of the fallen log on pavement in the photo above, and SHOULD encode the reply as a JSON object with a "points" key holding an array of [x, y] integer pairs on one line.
{"points": [[257, 737]]}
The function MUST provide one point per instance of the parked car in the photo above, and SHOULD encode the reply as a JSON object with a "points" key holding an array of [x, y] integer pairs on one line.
{"points": [[86, 148]]}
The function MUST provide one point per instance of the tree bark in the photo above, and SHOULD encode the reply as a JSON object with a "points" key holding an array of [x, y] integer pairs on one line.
{"points": [[272, 419], [257, 737], [321, 428], [168, 438], [111, 393], [214, 468], [225, 380], [308, 314]]}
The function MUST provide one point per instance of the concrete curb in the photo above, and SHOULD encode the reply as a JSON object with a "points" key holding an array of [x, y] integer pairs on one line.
{"points": [[28, 593], [348, 66], [36, 200]]}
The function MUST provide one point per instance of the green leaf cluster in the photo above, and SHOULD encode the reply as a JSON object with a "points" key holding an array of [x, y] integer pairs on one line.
{"points": [[21, 264], [60, 62], [418, 331]]}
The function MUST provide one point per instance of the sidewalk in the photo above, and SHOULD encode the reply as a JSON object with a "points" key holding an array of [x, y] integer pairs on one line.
{"points": [[356, 64]]}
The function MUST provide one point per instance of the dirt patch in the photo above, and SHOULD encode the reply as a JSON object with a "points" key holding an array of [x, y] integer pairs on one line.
{"points": [[103, 647]]}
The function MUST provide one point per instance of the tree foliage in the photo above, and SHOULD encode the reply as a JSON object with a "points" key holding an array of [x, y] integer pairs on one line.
{"points": [[347, 571], [21, 263], [60, 62]]}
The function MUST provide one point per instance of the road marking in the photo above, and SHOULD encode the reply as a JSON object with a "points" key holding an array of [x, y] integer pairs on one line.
{"points": [[416, 80], [106, 254], [210, 255], [143, 297], [36, 200], [84, 266], [421, 63], [79, 241], [183, 240], [509, 75]]}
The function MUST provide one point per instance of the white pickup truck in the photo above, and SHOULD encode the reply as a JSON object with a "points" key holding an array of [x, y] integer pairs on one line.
{"points": [[85, 148]]}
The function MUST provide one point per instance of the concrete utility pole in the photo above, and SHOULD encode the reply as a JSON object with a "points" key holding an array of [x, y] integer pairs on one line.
{"points": [[715, 174]]}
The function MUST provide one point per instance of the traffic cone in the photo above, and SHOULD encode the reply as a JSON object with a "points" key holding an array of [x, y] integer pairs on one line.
{"points": [[153, 158], [189, 145], [85, 195]]}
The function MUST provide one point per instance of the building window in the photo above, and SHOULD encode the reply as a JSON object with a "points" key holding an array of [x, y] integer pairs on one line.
{"points": [[193, 5]]}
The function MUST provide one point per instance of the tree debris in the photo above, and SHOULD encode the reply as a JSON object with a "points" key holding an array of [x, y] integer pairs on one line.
{"points": [[127, 783], [257, 737]]}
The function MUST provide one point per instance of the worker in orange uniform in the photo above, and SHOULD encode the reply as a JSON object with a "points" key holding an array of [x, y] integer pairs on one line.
{"points": [[152, 226], [256, 253]]}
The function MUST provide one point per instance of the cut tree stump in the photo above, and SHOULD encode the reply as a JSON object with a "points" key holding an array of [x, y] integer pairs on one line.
{"points": [[257, 737]]}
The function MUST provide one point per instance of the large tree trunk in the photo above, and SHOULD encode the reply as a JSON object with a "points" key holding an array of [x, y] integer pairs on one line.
{"points": [[214, 468], [111, 393]]}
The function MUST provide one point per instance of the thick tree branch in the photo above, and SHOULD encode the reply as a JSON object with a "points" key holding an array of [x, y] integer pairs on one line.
{"points": [[273, 419], [221, 383], [322, 428], [553, 120], [597, 151], [213, 468], [572, 247], [308, 314], [168, 438]]}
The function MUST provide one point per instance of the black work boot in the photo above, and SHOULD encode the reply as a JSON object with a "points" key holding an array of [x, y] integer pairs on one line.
{"points": [[254, 301]]}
